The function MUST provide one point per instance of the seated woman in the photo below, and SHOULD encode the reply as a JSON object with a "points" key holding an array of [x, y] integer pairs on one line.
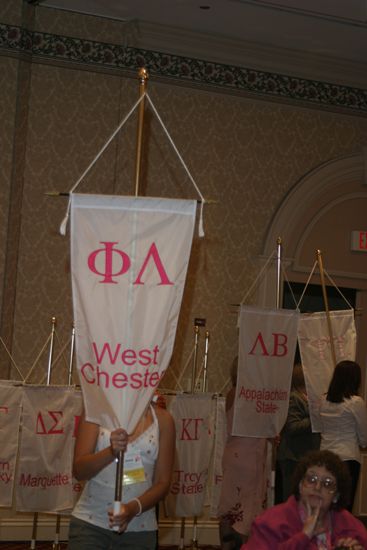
{"points": [[314, 517]]}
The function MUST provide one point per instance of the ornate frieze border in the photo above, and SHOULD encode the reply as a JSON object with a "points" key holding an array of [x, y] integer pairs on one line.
{"points": [[229, 78]]}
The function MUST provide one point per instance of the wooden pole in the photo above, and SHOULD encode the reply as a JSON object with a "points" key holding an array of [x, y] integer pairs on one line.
{"points": [[143, 77], [326, 304]]}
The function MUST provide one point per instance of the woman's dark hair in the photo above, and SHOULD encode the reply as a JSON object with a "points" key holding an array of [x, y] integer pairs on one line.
{"points": [[334, 465], [298, 378], [345, 381]]}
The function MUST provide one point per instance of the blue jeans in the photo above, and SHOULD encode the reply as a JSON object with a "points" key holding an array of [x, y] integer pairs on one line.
{"points": [[85, 536]]}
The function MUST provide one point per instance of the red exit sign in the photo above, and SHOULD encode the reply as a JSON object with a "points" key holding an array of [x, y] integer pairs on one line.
{"points": [[359, 241]]}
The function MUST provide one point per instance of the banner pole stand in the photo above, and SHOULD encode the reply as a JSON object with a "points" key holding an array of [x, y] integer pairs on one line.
{"points": [[326, 304]]}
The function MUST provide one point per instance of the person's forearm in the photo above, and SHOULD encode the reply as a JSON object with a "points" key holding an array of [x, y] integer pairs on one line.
{"points": [[87, 466], [153, 495]]}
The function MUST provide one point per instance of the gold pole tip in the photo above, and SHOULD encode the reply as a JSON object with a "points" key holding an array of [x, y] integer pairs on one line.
{"points": [[143, 73]]}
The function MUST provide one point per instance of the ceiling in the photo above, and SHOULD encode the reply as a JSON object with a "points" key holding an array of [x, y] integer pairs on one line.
{"points": [[325, 39]]}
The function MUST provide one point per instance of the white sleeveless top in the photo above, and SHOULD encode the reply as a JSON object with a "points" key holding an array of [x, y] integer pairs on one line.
{"points": [[99, 492]]}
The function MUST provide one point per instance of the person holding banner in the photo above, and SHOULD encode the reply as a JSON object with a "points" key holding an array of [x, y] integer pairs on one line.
{"points": [[243, 492], [148, 463], [343, 416], [314, 517]]}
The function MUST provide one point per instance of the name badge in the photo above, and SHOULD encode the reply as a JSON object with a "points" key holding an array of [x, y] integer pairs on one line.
{"points": [[133, 468]]}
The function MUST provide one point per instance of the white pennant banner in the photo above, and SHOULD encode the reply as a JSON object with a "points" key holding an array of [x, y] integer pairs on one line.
{"points": [[49, 420], [267, 345], [194, 420], [129, 258], [10, 409], [314, 344]]}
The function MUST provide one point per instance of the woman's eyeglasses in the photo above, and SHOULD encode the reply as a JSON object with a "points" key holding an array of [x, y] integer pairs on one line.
{"points": [[311, 480]]}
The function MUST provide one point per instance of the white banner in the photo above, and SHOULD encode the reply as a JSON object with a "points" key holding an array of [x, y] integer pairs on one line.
{"points": [[314, 344], [129, 259], [267, 346], [10, 409], [44, 477], [193, 415]]}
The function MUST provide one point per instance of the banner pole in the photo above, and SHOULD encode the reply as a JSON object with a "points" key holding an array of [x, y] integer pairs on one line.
{"points": [[326, 304], [34, 531], [193, 374], [278, 304], [49, 369], [56, 543], [279, 272], [206, 353], [71, 358], [51, 351], [143, 77], [182, 535]]}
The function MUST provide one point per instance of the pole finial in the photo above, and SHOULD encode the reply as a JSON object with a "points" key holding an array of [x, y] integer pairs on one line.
{"points": [[143, 74]]}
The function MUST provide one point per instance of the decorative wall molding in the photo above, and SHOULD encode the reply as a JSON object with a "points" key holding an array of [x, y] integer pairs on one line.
{"points": [[189, 71]]}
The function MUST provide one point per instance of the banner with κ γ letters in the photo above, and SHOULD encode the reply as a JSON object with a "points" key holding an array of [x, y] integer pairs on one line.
{"points": [[10, 409], [194, 420], [44, 478], [267, 345], [314, 345], [129, 258]]}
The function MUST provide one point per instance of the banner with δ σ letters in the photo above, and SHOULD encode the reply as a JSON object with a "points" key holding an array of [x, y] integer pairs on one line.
{"points": [[10, 409], [314, 344], [129, 258], [267, 345], [194, 420], [44, 477]]}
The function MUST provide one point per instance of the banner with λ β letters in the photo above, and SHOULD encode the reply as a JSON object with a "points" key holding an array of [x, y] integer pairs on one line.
{"points": [[267, 345]]}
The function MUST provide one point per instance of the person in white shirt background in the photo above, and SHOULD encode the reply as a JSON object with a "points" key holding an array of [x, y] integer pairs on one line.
{"points": [[344, 419]]}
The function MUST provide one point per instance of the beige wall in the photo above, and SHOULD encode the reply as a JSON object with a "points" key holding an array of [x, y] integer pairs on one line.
{"points": [[242, 152]]}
